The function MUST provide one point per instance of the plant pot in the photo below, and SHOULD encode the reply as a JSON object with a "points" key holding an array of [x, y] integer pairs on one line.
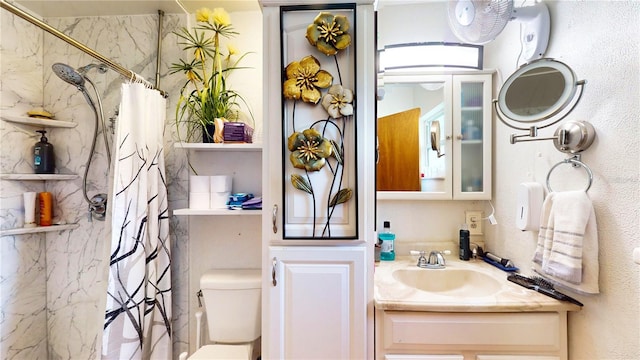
{"points": [[207, 133]]}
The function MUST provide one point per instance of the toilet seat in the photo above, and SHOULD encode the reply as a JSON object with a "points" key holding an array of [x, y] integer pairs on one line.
{"points": [[223, 352]]}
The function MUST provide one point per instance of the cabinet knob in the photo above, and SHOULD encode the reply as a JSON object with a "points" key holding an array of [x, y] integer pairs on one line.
{"points": [[459, 136]]}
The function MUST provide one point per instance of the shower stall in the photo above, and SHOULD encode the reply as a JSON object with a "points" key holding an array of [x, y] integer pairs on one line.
{"points": [[53, 284]]}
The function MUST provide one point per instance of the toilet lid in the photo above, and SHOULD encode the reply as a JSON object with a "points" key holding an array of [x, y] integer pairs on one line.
{"points": [[221, 351]]}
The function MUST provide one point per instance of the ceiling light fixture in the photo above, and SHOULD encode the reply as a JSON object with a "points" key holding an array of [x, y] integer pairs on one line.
{"points": [[430, 54]]}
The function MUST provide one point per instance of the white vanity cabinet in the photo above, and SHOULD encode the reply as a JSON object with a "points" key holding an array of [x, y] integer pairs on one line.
{"points": [[461, 105], [317, 285], [471, 336]]}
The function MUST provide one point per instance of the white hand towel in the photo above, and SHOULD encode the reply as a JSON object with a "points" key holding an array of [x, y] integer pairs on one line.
{"points": [[567, 249]]}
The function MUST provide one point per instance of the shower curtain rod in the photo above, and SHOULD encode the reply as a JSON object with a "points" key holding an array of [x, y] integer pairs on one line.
{"points": [[55, 32]]}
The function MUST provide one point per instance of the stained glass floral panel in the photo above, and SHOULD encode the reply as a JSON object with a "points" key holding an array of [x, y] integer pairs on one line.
{"points": [[319, 127]]}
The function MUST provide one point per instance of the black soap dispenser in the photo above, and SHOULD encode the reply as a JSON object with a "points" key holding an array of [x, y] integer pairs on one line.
{"points": [[43, 158]]}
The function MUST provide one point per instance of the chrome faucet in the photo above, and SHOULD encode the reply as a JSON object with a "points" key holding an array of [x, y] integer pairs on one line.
{"points": [[434, 261]]}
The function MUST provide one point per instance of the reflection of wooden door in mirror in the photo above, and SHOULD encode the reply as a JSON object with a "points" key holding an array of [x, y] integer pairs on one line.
{"points": [[398, 166]]}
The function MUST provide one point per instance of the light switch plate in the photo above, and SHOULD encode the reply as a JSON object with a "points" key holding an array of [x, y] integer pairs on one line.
{"points": [[473, 218]]}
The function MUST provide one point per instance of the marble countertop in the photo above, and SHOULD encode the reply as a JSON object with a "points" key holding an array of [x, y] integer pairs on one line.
{"points": [[391, 294]]}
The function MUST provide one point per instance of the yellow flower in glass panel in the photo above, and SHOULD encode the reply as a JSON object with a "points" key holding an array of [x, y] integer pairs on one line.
{"points": [[304, 77], [308, 150], [328, 33]]}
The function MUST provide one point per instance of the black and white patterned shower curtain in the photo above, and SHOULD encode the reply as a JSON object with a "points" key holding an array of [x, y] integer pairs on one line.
{"points": [[138, 313]]}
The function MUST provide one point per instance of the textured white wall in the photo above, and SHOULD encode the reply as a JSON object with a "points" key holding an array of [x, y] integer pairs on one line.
{"points": [[600, 41]]}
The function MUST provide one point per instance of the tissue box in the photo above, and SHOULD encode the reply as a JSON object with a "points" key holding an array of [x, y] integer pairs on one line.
{"points": [[237, 132]]}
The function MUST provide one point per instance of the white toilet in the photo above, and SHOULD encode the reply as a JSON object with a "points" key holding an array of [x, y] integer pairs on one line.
{"points": [[232, 301]]}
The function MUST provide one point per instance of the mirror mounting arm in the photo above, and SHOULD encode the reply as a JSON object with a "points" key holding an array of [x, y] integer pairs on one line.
{"points": [[570, 137], [533, 136]]}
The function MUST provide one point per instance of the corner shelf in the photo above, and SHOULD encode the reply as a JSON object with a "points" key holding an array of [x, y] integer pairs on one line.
{"points": [[249, 147], [216, 212], [38, 122], [38, 229], [38, 177]]}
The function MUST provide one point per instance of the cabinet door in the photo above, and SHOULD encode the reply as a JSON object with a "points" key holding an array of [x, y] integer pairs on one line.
{"points": [[316, 303], [430, 97], [472, 137]]}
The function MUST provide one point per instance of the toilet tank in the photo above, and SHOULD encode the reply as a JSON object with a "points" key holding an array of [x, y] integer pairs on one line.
{"points": [[232, 300]]}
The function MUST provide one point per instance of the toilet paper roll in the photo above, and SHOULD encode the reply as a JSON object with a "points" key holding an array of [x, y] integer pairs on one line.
{"points": [[199, 184], [221, 183], [199, 200], [219, 199]]}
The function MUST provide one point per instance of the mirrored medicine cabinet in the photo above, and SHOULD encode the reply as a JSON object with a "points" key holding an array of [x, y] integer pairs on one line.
{"points": [[434, 136]]}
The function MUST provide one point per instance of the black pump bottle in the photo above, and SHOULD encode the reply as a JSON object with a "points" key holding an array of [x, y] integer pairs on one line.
{"points": [[465, 246], [43, 158]]}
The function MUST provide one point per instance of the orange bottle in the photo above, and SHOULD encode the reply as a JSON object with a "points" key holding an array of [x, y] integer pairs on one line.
{"points": [[46, 208]]}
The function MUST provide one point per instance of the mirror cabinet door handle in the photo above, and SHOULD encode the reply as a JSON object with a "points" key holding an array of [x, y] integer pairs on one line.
{"points": [[459, 137], [273, 271], [274, 217]]}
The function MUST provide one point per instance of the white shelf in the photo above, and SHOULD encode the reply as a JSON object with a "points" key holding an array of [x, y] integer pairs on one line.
{"points": [[217, 212], [38, 122], [38, 176], [38, 229], [219, 147], [472, 141]]}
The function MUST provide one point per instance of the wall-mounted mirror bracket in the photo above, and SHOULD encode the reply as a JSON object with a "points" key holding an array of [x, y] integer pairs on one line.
{"points": [[570, 137]]}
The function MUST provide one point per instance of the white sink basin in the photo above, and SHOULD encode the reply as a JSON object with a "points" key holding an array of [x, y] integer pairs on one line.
{"points": [[449, 281]]}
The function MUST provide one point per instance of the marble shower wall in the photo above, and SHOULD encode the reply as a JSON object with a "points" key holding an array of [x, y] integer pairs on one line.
{"points": [[23, 267], [52, 286]]}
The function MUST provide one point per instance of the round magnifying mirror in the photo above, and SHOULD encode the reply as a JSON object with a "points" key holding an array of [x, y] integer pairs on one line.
{"points": [[538, 91], [435, 137]]}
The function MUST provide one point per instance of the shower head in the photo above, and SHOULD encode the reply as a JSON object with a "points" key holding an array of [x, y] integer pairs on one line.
{"points": [[69, 74]]}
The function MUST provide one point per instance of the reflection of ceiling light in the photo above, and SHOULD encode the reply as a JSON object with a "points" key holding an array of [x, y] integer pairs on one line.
{"points": [[432, 86], [430, 54]]}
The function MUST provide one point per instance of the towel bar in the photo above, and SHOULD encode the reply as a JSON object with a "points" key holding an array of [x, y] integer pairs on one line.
{"points": [[574, 161]]}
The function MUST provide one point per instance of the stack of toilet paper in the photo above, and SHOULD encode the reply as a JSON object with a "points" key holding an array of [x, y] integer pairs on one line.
{"points": [[209, 192]]}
